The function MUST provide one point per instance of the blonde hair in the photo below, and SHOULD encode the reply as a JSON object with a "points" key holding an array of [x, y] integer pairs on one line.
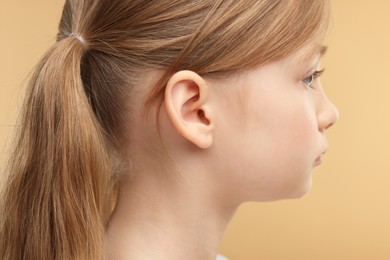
{"points": [[56, 194]]}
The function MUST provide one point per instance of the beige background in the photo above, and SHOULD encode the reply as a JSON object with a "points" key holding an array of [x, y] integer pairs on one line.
{"points": [[347, 214]]}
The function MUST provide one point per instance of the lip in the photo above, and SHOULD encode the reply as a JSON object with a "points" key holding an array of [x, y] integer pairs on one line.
{"points": [[318, 161]]}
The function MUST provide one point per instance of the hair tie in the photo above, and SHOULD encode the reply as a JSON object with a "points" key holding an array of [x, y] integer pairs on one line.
{"points": [[80, 38]]}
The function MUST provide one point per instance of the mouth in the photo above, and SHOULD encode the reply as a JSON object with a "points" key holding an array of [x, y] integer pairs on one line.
{"points": [[318, 160]]}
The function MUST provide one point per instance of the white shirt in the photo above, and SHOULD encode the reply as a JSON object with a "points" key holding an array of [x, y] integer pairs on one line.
{"points": [[221, 257]]}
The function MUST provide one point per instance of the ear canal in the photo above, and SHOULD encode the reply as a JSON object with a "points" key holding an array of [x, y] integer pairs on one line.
{"points": [[203, 117]]}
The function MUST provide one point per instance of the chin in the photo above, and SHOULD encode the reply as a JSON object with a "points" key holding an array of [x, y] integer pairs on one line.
{"points": [[296, 192], [287, 195], [302, 190], [284, 192]]}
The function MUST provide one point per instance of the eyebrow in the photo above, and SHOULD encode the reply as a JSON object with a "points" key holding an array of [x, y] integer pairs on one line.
{"points": [[318, 49], [323, 49]]}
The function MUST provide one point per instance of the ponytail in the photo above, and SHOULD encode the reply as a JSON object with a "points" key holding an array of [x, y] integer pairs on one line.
{"points": [[55, 198]]}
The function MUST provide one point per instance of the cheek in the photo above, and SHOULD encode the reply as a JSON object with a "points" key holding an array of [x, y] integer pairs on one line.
{"points": [[283, 122], [285, 142], [274, 148], [292, 131]]}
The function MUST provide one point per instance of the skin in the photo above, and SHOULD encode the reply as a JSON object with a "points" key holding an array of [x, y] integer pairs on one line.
{"points": [[254, 136]]}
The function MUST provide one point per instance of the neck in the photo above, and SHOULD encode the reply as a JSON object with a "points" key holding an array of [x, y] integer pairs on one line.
{"points": [[161, 217]]}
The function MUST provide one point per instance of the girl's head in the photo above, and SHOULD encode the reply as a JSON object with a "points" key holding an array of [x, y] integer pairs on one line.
{"points": [[228, 86], [124, 40]]}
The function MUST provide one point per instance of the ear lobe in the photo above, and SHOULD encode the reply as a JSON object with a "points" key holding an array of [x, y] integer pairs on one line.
{"points": [[186, 102]]}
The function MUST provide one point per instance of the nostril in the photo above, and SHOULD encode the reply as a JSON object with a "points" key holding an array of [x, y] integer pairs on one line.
{"points": [[335, 118], [329, 116], [329, 125], [325, 122]]}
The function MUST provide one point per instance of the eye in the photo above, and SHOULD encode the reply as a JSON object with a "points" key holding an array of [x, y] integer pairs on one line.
{"points": [[308, 81]]}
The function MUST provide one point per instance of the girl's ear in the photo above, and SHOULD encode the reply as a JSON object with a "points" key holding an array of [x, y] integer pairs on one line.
{"points": [[187, 105]]}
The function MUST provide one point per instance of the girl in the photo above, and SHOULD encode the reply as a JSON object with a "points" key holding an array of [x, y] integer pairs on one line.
{"points": [[149, 122]]}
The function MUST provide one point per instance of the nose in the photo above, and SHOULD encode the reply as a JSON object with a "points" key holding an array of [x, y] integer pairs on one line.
{"points": [[328, 114]]}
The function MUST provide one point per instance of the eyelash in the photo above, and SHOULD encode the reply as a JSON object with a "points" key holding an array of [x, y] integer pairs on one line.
{"points": [[312, 78]]}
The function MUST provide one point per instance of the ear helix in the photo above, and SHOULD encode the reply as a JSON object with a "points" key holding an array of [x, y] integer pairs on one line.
{"points": [[186, 100]]}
